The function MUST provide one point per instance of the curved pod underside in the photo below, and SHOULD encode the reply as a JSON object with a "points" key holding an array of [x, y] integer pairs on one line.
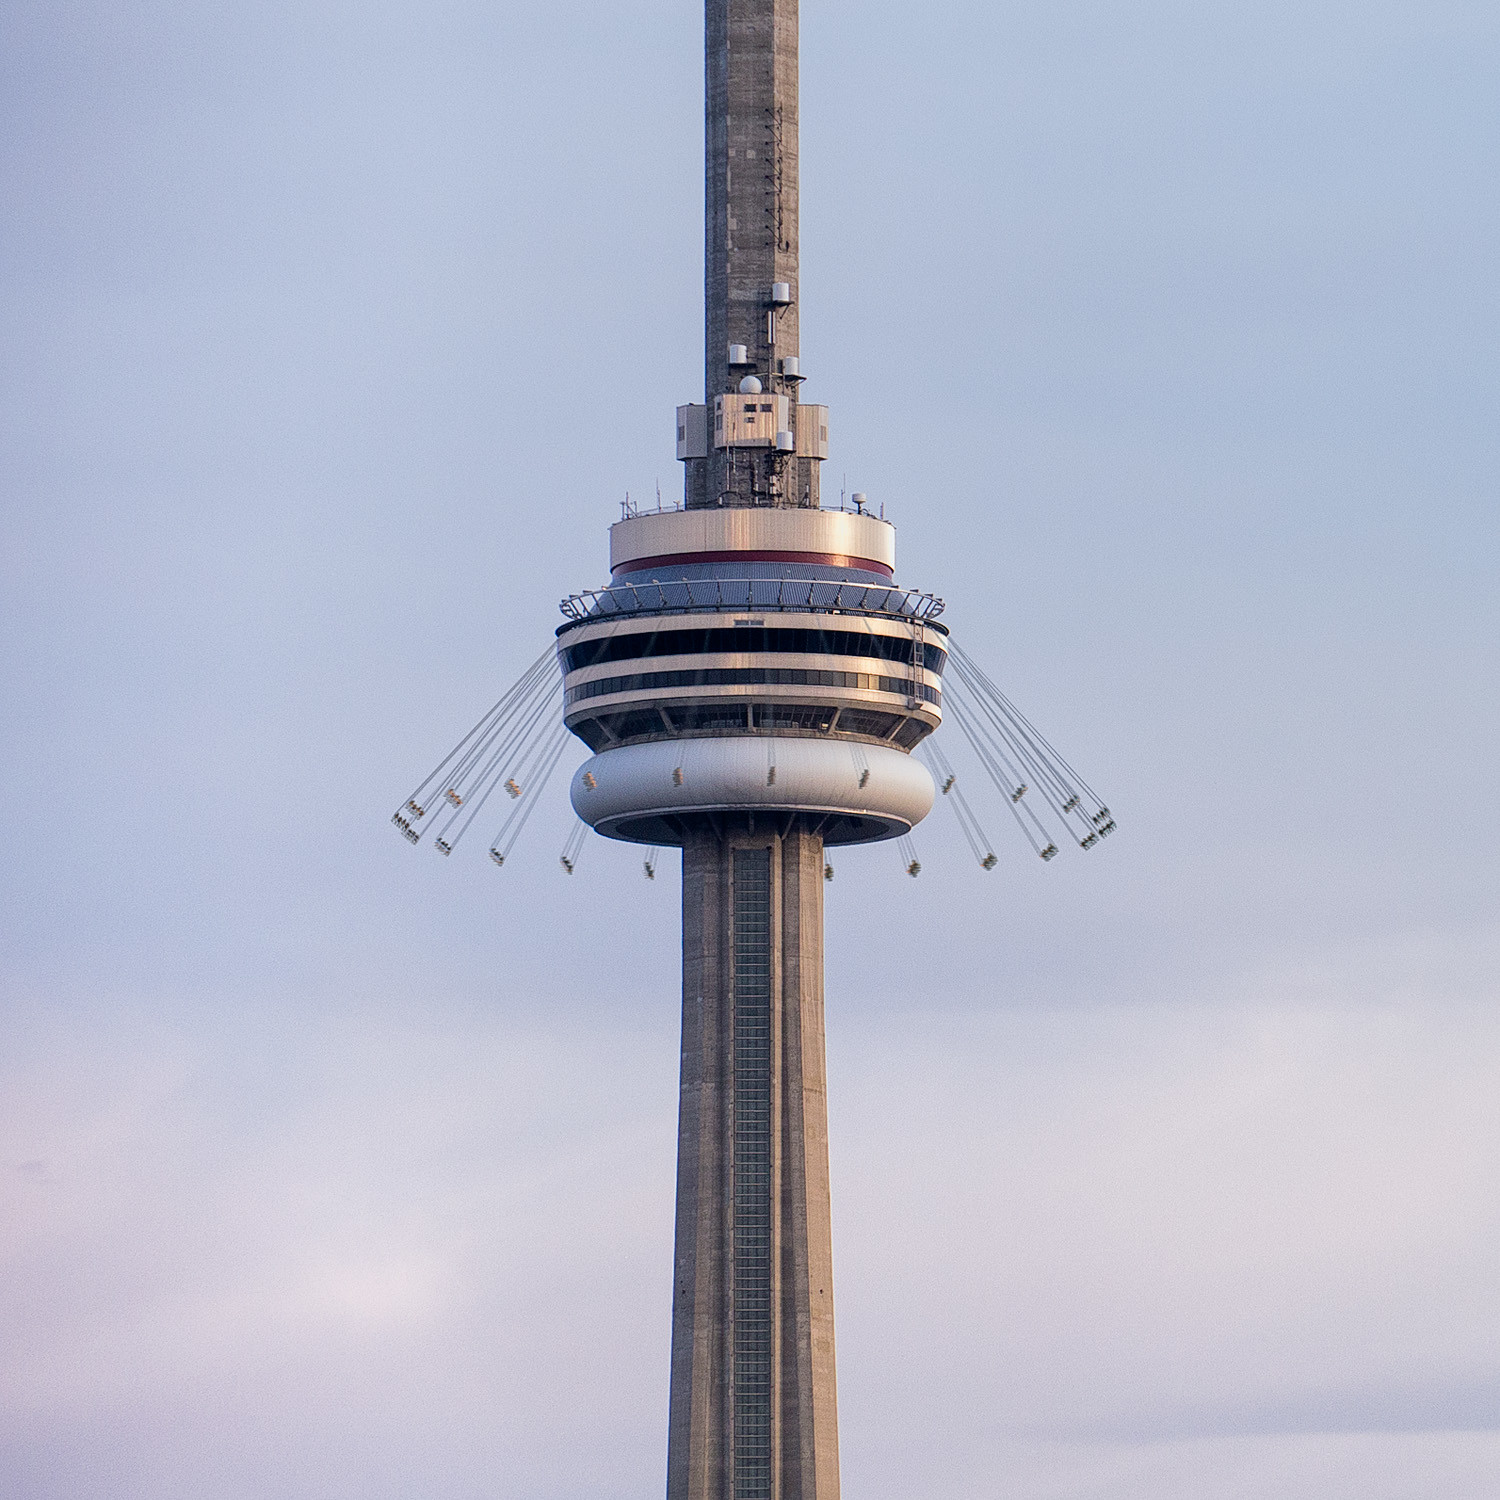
{"points": [[649, 793]]}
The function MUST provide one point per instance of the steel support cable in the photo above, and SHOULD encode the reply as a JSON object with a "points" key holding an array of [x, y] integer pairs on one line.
{"points": [[484, 721], [1067, 803], [953, 793], [1027, 742], [523, 809], [1050, 782], [521, 724], [966, 821], [1049, 777], [979, 842], [969, 713], [1026, 724], [1031, 773], [1014, 805], [521, 699], [482, 730], [478, 792], [1079, 790], [573, 846], [534, 756], [1034, 733], [1009, 722], [480, 735], [861, 763], [1022, 810], [516, 819], [461, 788], [523, 757], [1035, 768], [938, 761], [971, 710], [503, 710], [518, 725], [482, 786]]}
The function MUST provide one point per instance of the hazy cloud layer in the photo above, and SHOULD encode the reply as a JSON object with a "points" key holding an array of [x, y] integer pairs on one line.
{"points": [[1238, 1251]]}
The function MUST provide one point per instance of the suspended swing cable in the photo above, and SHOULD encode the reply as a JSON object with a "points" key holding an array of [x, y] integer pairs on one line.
{"points": [[573, 846], [978, 843], [1055, 781], [510, 755], [1073, 789], [419, 810], [1018, 758], [480, 734], [523, 752], [1046, 848], [522, 712], [511, 829], [464, 777], [490, 721], [1024, 722], [1020, 774], [1001, 712], [1049, 781]]}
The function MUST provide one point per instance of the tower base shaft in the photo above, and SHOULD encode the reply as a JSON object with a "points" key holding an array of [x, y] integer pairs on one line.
{"points": [[753, 1402]]}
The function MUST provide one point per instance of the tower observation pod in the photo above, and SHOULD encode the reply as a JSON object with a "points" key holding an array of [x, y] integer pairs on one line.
{"points": [[752, 664]]}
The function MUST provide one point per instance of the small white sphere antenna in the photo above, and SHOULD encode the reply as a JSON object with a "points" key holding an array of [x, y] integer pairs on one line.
{"points": [[750, 386]]}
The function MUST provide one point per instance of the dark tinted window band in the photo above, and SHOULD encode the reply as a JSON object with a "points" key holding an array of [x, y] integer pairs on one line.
{"points": [[753, 677], [746, 718], [749, 638]]}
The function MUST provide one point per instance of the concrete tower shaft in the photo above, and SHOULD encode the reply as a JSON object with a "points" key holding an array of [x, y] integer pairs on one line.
{"points": [[751, 250], [750, 188], [754, 1409]]}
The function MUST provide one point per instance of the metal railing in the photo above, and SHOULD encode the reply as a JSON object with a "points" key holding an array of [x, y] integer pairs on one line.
{"points": [[735, 594]]}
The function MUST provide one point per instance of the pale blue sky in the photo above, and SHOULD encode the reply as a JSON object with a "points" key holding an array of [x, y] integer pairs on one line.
{"points": [[330, 338]]}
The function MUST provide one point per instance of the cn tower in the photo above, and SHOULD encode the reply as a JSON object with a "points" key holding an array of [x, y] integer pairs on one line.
{"points": [[752, 683]]}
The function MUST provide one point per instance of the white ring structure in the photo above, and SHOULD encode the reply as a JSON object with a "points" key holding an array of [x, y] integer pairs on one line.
{"points": [[634, 792]]}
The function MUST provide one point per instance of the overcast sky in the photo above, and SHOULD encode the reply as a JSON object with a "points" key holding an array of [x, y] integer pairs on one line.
{"points": [[331, 337]]}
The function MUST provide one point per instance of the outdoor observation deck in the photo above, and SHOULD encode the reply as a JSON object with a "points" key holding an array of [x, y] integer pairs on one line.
{"points": [[669, 595]]}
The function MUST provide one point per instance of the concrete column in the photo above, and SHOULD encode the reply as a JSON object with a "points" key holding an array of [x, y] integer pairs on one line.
{"points": [[751, 236], [724, 1389]]}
